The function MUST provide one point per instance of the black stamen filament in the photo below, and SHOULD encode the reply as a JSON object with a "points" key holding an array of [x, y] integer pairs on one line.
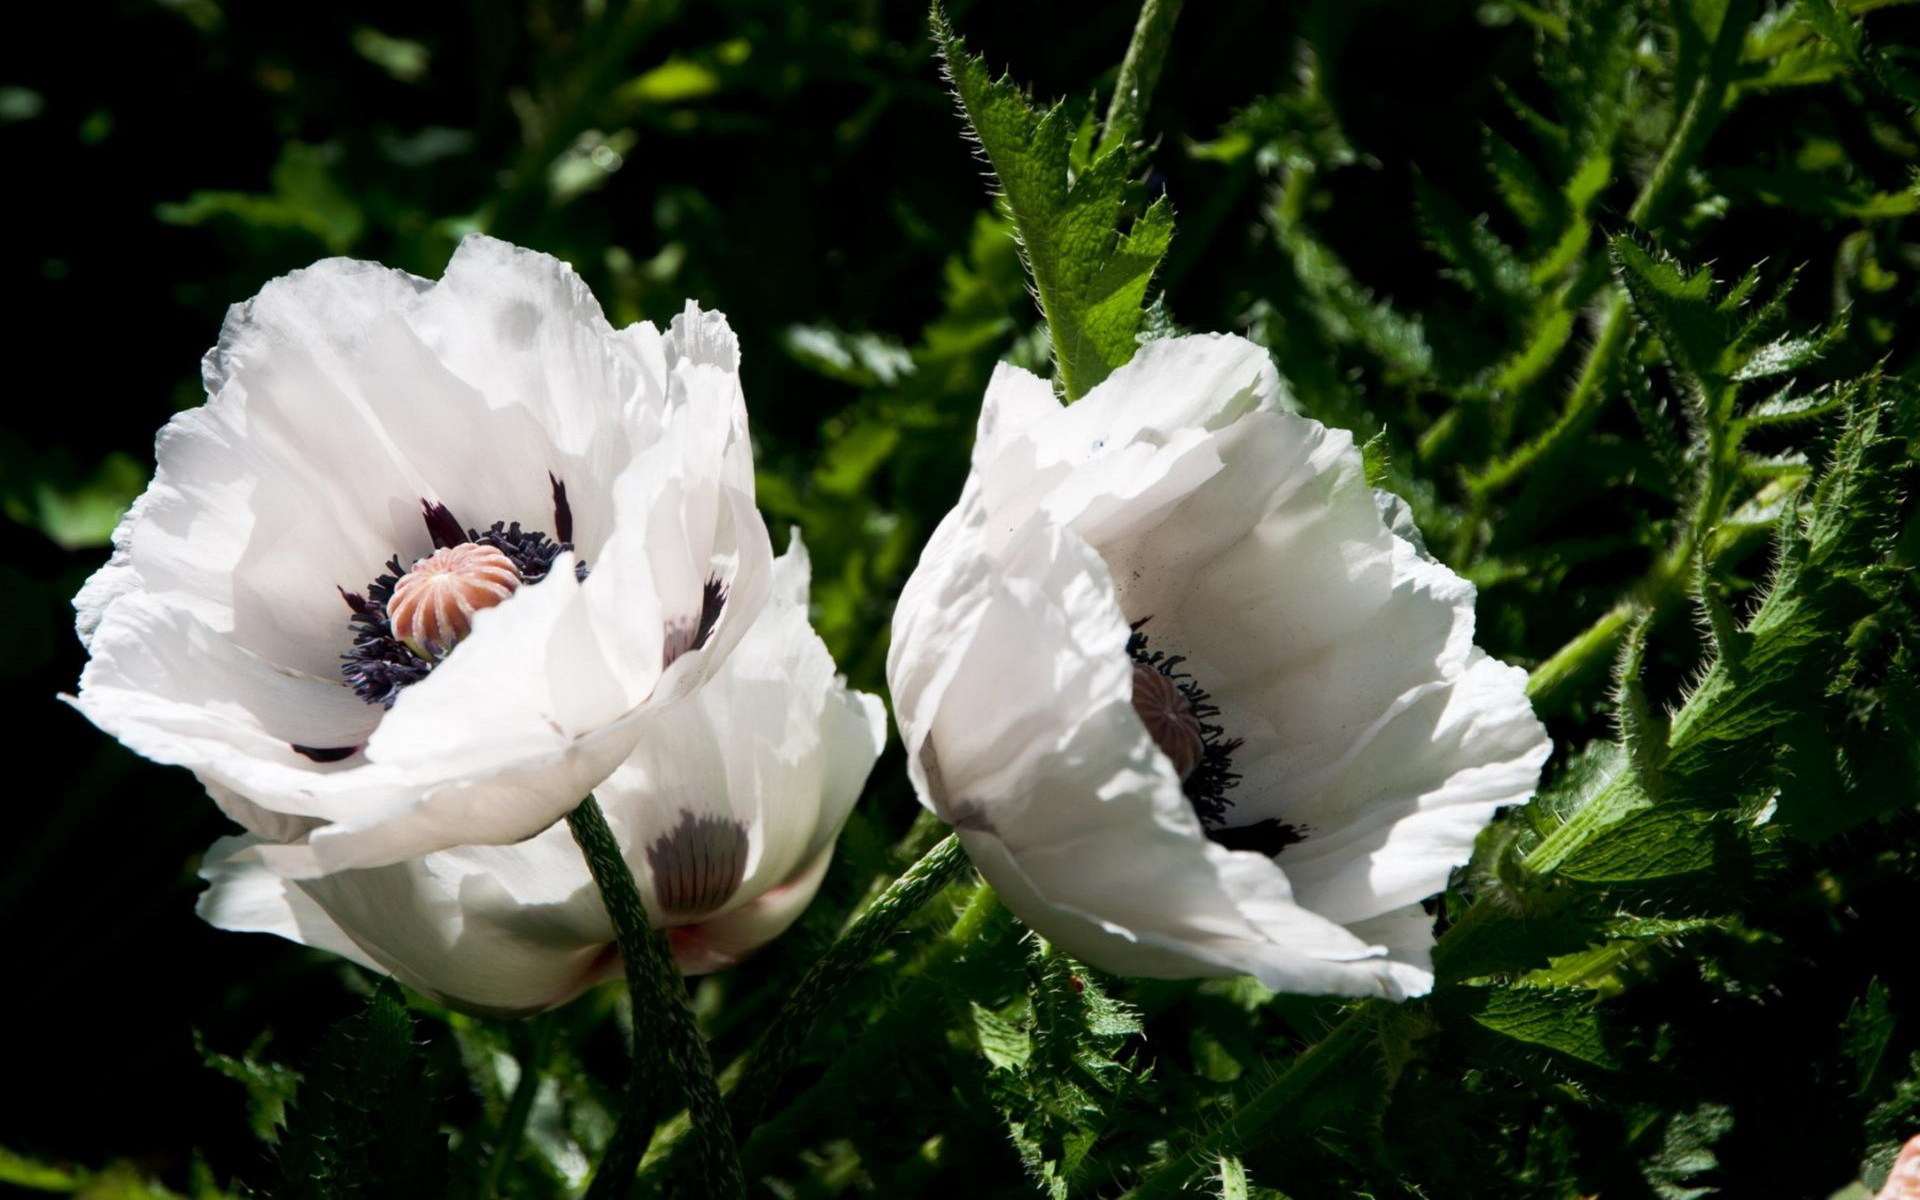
{"points": [[1207, 785], [380, 666]]}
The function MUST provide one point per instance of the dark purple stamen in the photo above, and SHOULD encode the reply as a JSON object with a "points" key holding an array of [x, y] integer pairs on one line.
{"points": [[326, 754], [380, 666]]}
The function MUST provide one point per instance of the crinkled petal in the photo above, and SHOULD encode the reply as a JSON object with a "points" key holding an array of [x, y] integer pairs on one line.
{"points": [[1035, 754], [495, 930], [1181, 498], [340, 398], [728, 793]]}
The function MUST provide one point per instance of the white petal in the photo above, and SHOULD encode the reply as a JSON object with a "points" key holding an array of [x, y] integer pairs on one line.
{"points": [[756, 771], [1182, 494], [1344, 658], [1036, 755], [245, 897], [500, 931], [493, 929]]}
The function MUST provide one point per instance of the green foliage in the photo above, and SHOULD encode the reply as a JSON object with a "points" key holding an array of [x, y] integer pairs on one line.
{"points": [[120, 1181], [364, 1121], [1054, 1076], [1618, 296], [1091, 279], [270, 1086]]}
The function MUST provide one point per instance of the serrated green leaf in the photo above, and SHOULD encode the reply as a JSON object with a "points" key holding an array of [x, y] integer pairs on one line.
{"points": [[1686, 1152], [1785, 408], [1005, 1044], [269, 1085], [1091, 277], [1650, 844], [1562, 1020], [1788, 354], [364, 1122], [1680, 308], [863, 359], [1348, 311]]}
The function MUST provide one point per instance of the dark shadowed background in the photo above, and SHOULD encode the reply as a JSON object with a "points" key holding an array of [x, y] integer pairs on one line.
{"points": [[801, 167]]}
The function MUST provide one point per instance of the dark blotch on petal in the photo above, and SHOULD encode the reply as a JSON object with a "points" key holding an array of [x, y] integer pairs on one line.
{"points": [[562, 511], [699, 864], [326, 754], [1268, 837], [691, 633], [713, 598]]}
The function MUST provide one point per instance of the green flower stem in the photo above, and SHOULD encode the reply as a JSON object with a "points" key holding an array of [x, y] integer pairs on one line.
{"points": [[1705, 107], [1583, 405], [664, 1032], [1284, 1103], [750, 1080], [1139, 72], [768, 1062], [513, 1124], [1555, 682]]}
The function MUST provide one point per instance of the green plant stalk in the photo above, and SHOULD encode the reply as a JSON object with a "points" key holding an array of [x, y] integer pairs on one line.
{"points": [[1139, 72], [1554, 682], [1704, 110], [1331, 1056], [750, 1080], [907, 1016], [768, 1062], [663, 1029], [1582, 405], [514, 1123]]}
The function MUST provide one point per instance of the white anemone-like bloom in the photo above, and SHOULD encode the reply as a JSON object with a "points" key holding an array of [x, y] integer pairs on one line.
{"points": [[727, 811], [429, 555], [1195, 708]]}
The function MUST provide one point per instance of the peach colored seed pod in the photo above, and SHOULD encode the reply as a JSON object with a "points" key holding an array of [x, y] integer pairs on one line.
{"points": [[433, 604]]}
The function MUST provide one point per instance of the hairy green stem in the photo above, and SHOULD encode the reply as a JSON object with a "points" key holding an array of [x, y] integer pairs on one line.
{"points": [[929, 992], [1582, 405], [1253, 1123], [750, 1079], [1139, 72], [1705, 107], [768, 1062], [663, 1029], [513, 1124]]}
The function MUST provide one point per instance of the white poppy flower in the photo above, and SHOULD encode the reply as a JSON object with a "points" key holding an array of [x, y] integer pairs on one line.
{"points": [[727, 810], [430, 552], [1194, 708]]}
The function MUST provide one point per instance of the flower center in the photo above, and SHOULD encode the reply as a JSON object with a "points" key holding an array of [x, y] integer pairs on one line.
{"points": [[410, 618], [1168, 716], [434, 603], [1178, 714]]}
